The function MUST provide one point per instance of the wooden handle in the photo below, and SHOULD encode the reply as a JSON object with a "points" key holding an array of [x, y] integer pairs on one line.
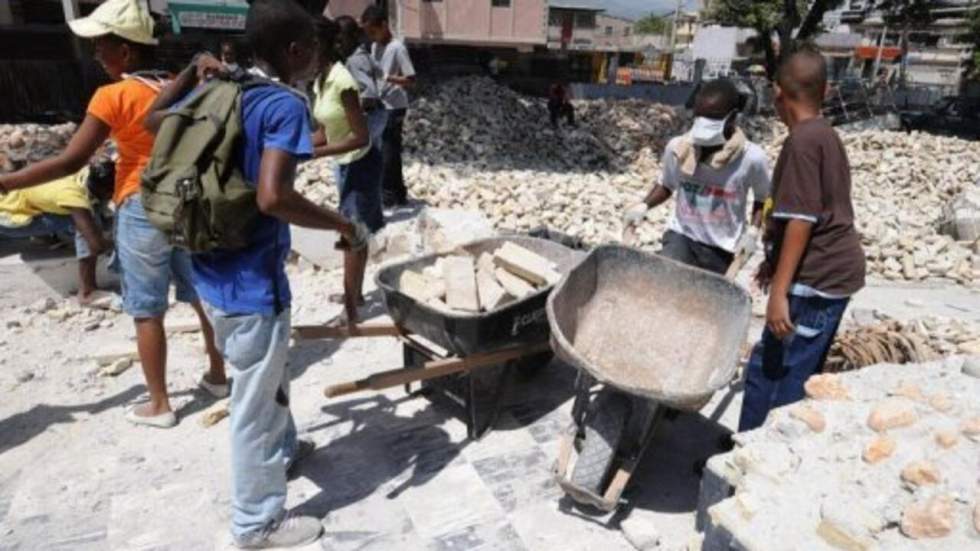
{"points": [[310, 332], [333, 391], [432, 370]]}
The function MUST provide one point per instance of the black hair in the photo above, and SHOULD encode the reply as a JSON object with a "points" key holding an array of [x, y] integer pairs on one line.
{"points": [[327, 34], [374, 15], [803, 75], [101, 178], [146, 53], [272, 24], [721, 91], [351, 36]]}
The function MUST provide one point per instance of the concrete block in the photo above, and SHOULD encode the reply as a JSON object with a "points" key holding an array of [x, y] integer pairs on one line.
{"points": [[515, 286], [526, 264], [421, 287], [492, 295], [461, 291]]}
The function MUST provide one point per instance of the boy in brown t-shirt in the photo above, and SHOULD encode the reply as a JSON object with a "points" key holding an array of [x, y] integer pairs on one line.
{"points": [[814, 261]]}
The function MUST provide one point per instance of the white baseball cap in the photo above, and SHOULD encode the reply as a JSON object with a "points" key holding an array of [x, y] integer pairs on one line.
{"points": [[124, 18]]}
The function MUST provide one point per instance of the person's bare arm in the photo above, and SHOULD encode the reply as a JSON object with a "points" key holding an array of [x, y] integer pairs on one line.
{"points": [[85, 224], [358, 137], [203, 67], [795, 238], [276, 196], [757, 208], [404, 82], [657, 196], [86, 141]]}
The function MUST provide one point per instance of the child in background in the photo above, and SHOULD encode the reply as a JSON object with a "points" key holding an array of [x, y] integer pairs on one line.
{"points": [[64, 206], [814, 260], [343, 135], [246, 291], [122, 31]]}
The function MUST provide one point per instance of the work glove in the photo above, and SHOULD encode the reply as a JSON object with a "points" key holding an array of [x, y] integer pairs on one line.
{"points": [[635, 214]]}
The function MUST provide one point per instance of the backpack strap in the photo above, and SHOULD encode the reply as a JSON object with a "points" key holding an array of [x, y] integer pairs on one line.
{"points": [[153, 79]]}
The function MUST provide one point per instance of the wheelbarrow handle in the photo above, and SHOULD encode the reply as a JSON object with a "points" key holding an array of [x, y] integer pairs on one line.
{"points": [[432, 370], [311, 332]]}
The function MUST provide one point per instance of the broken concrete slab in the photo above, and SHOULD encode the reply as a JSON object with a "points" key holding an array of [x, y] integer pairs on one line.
{"points": [[460, 279]]}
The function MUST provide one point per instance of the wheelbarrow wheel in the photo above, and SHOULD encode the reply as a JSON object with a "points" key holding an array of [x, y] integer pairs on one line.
{"points": [[605, 423]]}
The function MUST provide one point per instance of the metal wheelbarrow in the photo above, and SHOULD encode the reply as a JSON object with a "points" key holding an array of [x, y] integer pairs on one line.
{"points": [[451, 353], [656, 335]]}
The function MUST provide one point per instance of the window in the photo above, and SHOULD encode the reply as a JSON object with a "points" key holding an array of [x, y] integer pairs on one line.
{"points": [[500, 3], [585, 20], [626, 31], [609, 31]]}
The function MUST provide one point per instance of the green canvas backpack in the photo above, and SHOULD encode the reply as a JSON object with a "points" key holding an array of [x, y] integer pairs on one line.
{"points": [[192, 188]]}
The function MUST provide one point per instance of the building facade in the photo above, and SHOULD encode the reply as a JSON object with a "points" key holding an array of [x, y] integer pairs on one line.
{"points": [[937, 51]]}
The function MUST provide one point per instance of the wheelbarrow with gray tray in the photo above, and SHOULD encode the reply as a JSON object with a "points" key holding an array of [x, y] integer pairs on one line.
{"points": [[647, 335]]}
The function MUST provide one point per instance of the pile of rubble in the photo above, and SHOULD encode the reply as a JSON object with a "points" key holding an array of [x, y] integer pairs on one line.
{"points": [[27, 143], [881, 458], [902, 184], [474, 145]]}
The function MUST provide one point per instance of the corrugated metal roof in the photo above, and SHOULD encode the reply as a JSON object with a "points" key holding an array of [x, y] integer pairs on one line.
{"points": [[588, 5]]}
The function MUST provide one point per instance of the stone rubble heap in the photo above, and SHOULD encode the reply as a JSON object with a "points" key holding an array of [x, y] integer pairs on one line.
{"points": [[28, 143], [473, 145], [881, 458], [902, 186]]}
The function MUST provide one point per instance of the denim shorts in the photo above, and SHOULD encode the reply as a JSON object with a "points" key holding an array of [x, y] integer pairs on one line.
{"points": [[148, 263], [359, 184]]}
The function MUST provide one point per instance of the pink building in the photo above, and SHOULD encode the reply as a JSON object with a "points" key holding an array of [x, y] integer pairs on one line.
{"points": [[502, 23]]}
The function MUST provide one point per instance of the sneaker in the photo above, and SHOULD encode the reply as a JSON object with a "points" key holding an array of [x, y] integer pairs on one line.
{"points": [[218, 391], [292, 531], [304, 449]]}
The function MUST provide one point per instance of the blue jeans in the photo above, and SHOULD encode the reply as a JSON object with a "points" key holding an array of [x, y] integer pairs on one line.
{"points": [[148, 263], [263, 434], [51, 224], [778, 369]]}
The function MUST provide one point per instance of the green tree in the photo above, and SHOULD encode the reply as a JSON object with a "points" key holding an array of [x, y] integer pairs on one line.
{"points": [[791, 21], [652, 24]]}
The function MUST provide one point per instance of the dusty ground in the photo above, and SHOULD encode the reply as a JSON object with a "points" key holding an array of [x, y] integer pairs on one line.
{"points": [[392, 471]]}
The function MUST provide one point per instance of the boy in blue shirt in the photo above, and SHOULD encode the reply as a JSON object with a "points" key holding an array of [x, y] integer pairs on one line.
{"points": [[245, 291]]}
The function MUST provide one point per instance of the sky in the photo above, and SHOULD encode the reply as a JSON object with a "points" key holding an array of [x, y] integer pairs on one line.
{"points": [[638, 8]]}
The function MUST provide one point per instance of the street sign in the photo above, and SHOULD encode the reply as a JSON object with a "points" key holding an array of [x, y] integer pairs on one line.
{"points": [[226, 15]]}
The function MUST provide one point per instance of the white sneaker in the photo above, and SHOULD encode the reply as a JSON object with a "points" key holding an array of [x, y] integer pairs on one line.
{"points": [[292, 531], [218, 391]]}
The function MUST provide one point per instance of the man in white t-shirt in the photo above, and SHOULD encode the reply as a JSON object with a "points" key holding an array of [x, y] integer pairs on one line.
{"points": [[711, 170], [392, 55]]}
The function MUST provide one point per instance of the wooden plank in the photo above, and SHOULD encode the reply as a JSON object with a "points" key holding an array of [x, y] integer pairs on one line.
{"points": [[311, 332], [461, 293]]}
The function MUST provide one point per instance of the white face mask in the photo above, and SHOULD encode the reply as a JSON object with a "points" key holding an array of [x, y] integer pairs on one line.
{"points": [[709, 132]]}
